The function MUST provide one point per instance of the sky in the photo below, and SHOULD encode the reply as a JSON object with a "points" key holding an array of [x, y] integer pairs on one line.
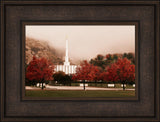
{"points": [[86, 41]]}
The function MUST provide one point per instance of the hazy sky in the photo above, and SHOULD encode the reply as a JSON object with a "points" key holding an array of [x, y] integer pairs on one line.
{"points": [[86, 42]]}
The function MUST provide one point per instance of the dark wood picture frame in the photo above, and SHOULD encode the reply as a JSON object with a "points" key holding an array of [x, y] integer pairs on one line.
{"points": [[146, 105]]}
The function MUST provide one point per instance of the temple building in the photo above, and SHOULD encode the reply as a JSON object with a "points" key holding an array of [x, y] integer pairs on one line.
{"points": [[66, 67]]}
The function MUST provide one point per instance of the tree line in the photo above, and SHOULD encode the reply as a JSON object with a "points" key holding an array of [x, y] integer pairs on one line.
{"points": [[109, 68]]}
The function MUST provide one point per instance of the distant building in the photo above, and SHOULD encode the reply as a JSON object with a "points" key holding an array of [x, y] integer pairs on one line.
{"points": [[66, 67]]}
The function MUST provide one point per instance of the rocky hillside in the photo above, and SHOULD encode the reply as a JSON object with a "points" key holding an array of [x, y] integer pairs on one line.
{"points": [[41, 48]]}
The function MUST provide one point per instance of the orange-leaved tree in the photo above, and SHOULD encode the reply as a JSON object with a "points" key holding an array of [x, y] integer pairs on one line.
{"points": [[122, 70], [85, 72], [40, 70]]}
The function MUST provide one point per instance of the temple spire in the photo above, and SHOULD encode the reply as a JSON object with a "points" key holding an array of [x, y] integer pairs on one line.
{"points": [[66, 57]]}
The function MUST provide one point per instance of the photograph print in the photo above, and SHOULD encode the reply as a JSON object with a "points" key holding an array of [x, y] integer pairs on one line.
{"points": [[80, 61]]}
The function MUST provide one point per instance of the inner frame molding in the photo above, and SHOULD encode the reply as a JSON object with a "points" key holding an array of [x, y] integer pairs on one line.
{"points": [[82, 22]]}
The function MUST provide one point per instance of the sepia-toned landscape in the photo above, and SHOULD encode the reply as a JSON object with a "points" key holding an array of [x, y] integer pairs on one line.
{"points": [[80, 61]]}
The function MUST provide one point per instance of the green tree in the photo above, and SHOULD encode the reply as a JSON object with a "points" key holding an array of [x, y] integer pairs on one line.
{"points": [[98, 61], [129, 56], [115, 57], [62, 78], [99, 57]]}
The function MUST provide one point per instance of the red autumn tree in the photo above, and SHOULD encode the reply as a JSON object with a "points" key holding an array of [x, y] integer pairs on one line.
{"points": [[85, 72], [40, 70], [122, 70]]}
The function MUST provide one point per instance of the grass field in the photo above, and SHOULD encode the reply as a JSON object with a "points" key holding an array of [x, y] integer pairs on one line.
{"points": [[56, 93]]}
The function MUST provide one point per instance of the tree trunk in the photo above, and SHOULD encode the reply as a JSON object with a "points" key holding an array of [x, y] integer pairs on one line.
{"points": [[123, 86], [95, 83], [84, 87], [42, 85]]}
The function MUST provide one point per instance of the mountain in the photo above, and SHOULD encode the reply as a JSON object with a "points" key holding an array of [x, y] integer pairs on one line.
{"points": [[40, 48]]}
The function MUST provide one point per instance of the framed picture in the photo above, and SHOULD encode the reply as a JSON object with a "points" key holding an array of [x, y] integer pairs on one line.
{"points": [[80, 61]]}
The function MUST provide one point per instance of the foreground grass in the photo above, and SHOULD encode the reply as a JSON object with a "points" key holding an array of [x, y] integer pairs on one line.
{"points": [[59, 93]]}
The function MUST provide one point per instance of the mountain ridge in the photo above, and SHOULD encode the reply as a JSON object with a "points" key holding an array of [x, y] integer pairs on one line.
{"points": [[41, 48]]}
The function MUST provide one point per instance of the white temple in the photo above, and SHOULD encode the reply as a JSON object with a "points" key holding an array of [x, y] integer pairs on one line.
{"points": [[66, 67]]}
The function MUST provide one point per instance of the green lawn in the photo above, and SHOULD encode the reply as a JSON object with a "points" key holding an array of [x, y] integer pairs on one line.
{"points": [[56, 93]]}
